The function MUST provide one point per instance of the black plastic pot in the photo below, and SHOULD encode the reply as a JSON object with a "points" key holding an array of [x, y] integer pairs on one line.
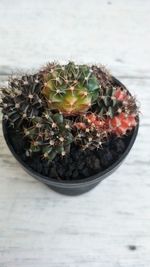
{"points": [[79, 186]]}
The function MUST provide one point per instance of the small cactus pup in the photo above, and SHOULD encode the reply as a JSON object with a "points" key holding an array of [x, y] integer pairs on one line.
{"points": [[22, 99], [50, 135], [70, 89], [113, 100], [90, 131], [121, 123]]}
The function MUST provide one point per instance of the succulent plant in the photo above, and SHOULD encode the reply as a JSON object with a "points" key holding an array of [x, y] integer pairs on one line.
{"points": [[114, 100], [128, 102], [70, 89], [65, 104], [121, 123], [22, 100], [50, 135], [91, 131], [103, 76]]}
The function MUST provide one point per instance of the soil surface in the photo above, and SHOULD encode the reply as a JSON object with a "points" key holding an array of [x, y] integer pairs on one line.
{"points": [[78, 164]]}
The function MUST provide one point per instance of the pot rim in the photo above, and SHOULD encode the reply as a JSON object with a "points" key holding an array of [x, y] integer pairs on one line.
{"points": [[72, 183]]}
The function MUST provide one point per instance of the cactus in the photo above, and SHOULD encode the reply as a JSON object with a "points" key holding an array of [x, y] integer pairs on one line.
{"points": [[65, 104], [107, 104], [121, 123], [50, 135], [22, 100], [91, 131], [114, 100], [103, 76], [70, 89]]}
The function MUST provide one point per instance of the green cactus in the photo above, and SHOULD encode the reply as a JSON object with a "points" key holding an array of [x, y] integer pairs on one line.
{"points": [[22, 100], [114, 100], [50, 135], [70, 89], [107, 104]]}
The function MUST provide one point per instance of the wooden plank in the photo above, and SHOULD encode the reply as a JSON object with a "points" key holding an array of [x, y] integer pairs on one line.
{"points": [[115, 33], [109, 226], [42, 228]]}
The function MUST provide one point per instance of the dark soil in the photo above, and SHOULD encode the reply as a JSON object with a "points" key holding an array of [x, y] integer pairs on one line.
{"points": [[78, 164]]}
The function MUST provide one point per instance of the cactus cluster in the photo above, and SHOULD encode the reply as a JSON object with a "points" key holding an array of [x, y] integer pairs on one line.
{"points": [[67, 104], [22, 99]]}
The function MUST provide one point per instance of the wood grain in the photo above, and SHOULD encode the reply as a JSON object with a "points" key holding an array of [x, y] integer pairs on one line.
{"points": [[109, 226]]}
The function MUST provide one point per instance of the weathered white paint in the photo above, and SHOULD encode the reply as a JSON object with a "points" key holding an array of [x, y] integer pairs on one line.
{"points": [[39, 227]]}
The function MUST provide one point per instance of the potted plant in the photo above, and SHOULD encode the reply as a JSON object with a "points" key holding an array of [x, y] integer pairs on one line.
{"points": [[69, 126]]}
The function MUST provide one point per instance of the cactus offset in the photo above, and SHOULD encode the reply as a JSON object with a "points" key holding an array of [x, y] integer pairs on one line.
{"points": [[50, 135], [114, 100], [22, 100], [121, 123], [70, 89], [91, 131], [128, 102]]}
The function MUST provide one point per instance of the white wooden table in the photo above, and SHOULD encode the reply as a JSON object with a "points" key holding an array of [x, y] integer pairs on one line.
{"points": [[109, 226]]}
